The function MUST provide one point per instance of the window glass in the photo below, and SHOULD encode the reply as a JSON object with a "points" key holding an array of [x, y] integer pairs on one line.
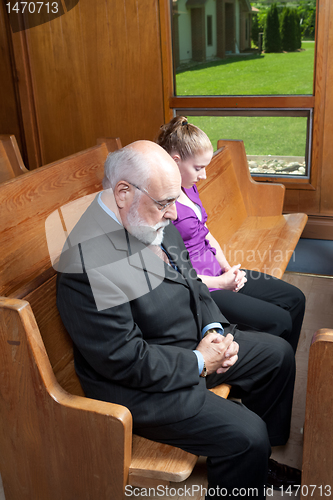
{"points": [[275, 145], [243, 48]]}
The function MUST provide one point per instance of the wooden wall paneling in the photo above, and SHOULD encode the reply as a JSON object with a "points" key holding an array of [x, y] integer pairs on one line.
{"points": [[311, 201], [306, 200], [319, 227], [60, 80], [323, 119], [167, 59], [96, 71], [10, 118], [326, 201], [27, 101]]}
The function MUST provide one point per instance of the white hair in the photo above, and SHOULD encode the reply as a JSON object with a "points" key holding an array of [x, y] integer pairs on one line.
{"points": [[128, 165]]}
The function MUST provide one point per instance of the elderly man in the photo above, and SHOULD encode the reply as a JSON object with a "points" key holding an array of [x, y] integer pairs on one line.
{"points": [[147, 335]]}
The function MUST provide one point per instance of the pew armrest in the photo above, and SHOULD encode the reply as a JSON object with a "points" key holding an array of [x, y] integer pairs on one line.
{"points": [[318, 429], [87, 442]]}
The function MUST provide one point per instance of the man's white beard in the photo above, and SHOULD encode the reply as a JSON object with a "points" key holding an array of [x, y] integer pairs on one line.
{"points": [[149, 235]]}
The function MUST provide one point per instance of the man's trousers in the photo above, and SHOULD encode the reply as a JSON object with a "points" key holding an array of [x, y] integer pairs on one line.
{"points": [[236, 437]]}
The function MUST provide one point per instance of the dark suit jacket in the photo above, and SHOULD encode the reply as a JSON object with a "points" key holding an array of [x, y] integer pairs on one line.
{"points": [[134, 320]]}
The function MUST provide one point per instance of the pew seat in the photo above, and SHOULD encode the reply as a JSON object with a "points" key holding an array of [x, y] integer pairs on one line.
{"points": [[246, 216], [54, 442]]}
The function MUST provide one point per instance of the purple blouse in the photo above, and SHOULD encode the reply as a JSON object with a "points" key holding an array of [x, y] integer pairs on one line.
{"points": [[193, 231]]}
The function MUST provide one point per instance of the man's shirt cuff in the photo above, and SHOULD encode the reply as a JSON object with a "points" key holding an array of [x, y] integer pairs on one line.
{"points": [[219, 329], [200, 360], [217, 326]]}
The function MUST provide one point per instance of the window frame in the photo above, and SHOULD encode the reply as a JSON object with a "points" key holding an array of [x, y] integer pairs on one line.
{"points": [[180, 104]]}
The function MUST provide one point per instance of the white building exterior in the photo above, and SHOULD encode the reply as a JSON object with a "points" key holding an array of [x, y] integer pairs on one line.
{"points": [[206, 29]]}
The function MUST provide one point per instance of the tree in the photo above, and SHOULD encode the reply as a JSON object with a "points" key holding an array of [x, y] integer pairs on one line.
{"points": [[290, 30], [287, 30], [255, 30], [306, 10], [298, 30], [307, 13], [272, 38]]}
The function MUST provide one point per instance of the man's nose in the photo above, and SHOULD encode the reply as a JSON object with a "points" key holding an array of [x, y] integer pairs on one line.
{"points": [[171, 212]]}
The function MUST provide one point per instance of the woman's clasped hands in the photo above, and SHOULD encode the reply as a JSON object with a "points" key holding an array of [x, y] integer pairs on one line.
{"points": [[233, 278]]}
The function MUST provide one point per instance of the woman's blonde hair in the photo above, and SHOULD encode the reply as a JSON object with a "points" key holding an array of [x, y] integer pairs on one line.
{"points": [[180, 136]]}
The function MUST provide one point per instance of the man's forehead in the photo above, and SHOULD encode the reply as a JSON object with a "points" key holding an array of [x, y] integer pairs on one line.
{"points": [[166, 183]]}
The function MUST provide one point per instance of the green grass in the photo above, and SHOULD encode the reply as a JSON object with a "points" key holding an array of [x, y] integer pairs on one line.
{"points": [[264, 74], [280, 136]]}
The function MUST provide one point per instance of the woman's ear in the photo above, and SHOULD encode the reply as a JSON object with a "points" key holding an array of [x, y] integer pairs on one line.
{"points": [[122, 193], [176, 157]]}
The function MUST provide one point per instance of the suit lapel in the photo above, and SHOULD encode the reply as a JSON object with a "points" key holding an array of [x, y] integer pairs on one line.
{"points": [[138, 254], [181, 275], [141, 257]]}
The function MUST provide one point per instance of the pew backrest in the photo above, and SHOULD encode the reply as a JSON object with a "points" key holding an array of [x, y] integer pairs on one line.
{"points": [[112, 143], [36, 218], [221, 195], [246, 216], [26, 203], [11, 163]]}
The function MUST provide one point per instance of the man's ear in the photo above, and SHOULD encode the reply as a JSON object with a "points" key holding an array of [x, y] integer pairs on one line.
{"points": [[122, 193]]}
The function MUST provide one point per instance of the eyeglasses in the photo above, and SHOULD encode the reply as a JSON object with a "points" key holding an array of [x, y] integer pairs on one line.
{"points": [[162, 206]]}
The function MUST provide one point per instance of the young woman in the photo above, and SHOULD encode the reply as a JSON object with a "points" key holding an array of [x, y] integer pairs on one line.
{"points": [[248, 298]]}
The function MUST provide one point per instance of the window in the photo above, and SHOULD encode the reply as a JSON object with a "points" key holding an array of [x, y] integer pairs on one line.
{"points": [[233, 83], [275, 141]]}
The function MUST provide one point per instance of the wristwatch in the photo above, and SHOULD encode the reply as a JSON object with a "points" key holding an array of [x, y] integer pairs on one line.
{"points": [[211, 330], [204, 372]]}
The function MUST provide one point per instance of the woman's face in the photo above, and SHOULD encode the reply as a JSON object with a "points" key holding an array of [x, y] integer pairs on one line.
{"points": [[193, 169]]}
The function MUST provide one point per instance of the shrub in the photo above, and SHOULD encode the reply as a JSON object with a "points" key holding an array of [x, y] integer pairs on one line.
{"points": [[298, 30], [290, 30], [255, 30], [309, 25], [307, 12], [272, 38]]}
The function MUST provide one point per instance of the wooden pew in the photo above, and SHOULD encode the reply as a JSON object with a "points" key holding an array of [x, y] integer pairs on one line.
{"points": [[246, 216], [50, 419], [318, 428], [55, 443], [112, 143], [11, 163]]}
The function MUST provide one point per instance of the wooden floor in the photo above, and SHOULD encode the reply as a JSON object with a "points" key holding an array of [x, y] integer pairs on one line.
{"points": [[319, 314]]}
